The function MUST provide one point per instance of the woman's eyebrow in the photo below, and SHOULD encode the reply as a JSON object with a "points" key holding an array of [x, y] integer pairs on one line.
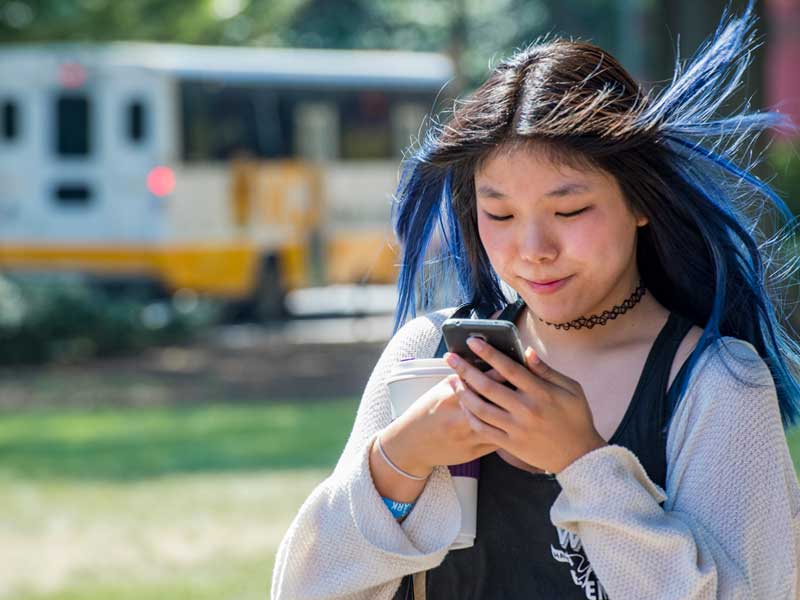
{"points": [[487, 191], [567, 189]]}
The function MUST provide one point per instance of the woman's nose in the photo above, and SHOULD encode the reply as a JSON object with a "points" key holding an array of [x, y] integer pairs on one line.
{"points": [[536, 244]]}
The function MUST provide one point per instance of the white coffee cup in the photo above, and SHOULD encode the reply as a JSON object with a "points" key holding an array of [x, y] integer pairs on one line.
{"points": [[408, 381]]}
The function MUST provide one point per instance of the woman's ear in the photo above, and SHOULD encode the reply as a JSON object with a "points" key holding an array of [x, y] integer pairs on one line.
{"points": [[641, 221]]}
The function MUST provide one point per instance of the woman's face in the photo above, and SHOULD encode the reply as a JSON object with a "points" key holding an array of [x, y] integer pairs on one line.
{"points": [[540, 222]]}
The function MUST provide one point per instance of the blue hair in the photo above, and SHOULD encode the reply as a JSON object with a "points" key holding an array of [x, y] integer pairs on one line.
{"points": [[702, 254]]}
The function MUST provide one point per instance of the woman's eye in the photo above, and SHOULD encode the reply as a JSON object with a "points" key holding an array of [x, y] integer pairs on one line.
{"points": [[507, 217], [498, 217], [572, 214]]}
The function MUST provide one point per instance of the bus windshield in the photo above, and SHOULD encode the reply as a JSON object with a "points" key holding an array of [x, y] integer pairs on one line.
{"points": [[232, 120]]}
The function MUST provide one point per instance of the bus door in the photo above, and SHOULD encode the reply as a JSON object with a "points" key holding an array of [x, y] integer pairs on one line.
{"points": [[96, 180], [20, 141], [73, 204], [135, 178]]}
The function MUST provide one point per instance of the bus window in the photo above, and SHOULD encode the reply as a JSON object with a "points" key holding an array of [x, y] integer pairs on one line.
{"points": [[407, 125], [10, 116], [220, 122], [73, 195], [316, 131], [366, 129], [73, 125], [137, 121]]}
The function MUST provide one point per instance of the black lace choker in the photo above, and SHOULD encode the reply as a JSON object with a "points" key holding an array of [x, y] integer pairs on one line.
{"points": [[606, 315]]}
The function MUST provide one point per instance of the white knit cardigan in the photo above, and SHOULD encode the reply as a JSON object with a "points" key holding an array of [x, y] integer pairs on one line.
{"points": [[729, 529]]}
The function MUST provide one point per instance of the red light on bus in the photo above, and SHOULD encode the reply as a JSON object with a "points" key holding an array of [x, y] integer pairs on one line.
{"points": [[161, 181], [71, 75]]}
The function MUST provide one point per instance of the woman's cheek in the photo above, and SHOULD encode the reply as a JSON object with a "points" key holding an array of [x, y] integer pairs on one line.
{"points": [[497, 246], [493, 251], [487, 233], [589, 236], [596, 242]]}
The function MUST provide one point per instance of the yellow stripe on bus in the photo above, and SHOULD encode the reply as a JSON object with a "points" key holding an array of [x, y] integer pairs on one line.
{"points": [[224, 270]]}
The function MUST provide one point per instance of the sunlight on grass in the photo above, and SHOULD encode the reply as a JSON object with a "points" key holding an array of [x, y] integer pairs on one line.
{"points": [[228, 580], [153, 503], [133, 443], [184, 536]]}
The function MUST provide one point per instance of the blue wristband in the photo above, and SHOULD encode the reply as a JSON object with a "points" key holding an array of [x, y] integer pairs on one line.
{"points": [[398, 509]]}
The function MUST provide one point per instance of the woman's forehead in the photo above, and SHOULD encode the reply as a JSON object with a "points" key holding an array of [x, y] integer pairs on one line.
{"points": [[518, 174], [524, 164], [551, 156]]}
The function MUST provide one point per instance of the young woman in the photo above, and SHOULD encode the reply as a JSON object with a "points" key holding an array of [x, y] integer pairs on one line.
{"points": [[642, 453]]}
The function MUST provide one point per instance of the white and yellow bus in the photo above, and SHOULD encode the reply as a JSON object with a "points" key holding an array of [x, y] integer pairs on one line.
{"points": [[240, 173]]}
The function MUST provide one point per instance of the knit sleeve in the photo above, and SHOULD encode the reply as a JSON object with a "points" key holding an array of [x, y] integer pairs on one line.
{"points": [[730, 524], [344, 543]]}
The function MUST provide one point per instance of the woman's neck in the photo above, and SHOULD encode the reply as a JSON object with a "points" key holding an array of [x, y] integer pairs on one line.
{"points": [[646, 316]]}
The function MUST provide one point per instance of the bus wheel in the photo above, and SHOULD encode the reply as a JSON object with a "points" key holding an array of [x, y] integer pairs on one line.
{"points": [[268, 302]]}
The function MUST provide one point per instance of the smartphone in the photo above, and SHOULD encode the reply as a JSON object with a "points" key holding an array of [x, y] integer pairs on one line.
{"points": [[502, 335]]}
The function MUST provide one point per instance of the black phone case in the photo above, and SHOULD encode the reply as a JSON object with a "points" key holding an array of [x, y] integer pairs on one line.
{"points": [[502, 335]]}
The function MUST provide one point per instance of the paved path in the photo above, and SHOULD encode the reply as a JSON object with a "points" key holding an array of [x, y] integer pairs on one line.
{"points": [[305, 359]]}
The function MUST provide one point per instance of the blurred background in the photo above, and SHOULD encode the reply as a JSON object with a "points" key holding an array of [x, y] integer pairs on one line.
{"points": [[196, 260]]}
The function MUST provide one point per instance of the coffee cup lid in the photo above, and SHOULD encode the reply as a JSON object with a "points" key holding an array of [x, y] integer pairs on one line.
{"points": [[424, 363], [420, 367]]}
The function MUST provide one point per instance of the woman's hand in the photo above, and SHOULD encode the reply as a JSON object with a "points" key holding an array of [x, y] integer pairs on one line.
{"points": [[435, 430], [546, 422]]}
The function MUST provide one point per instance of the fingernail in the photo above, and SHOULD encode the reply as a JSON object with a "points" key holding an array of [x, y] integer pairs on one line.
{"points": [[451, 359], [532, 355], [475, 343]]}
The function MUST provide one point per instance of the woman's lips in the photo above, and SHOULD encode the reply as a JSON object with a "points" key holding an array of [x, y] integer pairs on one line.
{"points": [[548, 288]]}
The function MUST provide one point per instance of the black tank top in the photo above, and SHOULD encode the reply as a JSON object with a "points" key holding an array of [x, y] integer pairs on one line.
{"points": [[518, 552]]}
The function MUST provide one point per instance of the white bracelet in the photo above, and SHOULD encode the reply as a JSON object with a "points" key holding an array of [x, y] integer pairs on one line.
{"points": [[394, 466]]}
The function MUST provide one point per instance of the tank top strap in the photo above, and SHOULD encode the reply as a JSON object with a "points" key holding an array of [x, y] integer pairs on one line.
{"points": [[680, 327], [462, 312], [643, 429], [664, 352], [511, 311]]}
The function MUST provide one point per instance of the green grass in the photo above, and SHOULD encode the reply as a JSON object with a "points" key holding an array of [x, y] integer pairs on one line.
{"points": [[161, 503], [180, 536], [793, 439], [153, 503], [135, 443], [231, 580]]}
